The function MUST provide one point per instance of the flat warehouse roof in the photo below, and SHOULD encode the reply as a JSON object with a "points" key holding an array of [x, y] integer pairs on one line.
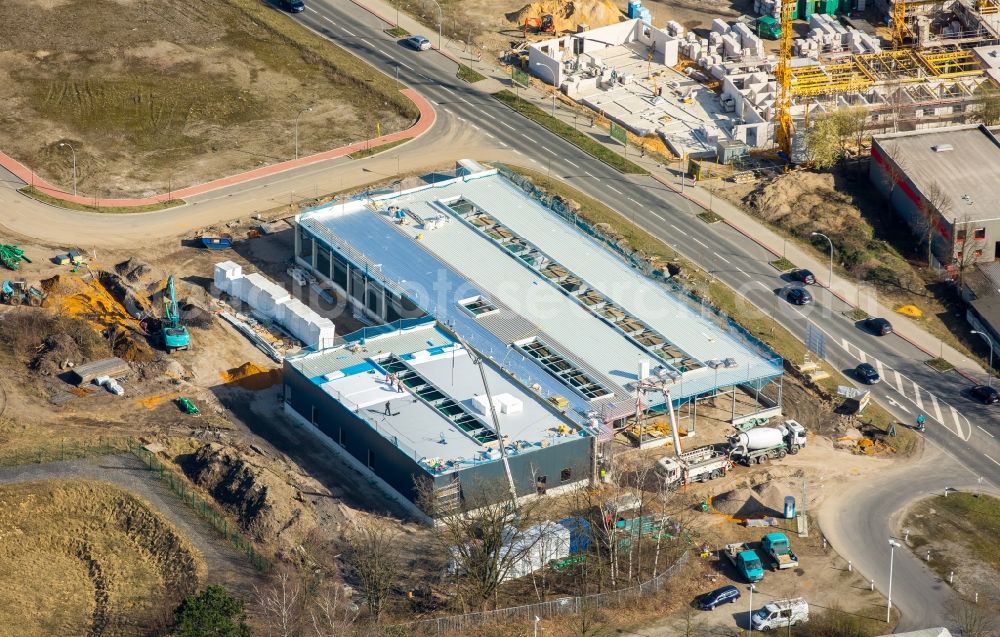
{"points": [[544, 300], [963, 161], [440, 418]]}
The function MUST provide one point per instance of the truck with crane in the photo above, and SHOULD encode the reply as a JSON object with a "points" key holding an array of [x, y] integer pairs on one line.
{"points": [[175, 333], [698, 465], [764, 443]]}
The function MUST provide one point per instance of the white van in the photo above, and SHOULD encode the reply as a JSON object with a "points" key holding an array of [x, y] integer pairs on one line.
{"points": [[781, 613]]}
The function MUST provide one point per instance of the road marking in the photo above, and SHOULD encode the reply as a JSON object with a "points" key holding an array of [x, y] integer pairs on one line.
{"points": [[474, 126], [743, 273], [505, 124], [634, 201], [616, 190], [899, 405], [405, 64], [919, 400], [862, 357], [504, 145], [991, 458], [657, 215], [348, 32], [937, 409], [445, 88], [899, 382], [719, 256], [700, 242], [985, 432], [878, 368], [549, 151], [762, 285], [589, 175], [958, 423], [678, 230], [845, 345], [526, 137], [571, 163], [490, 136]]}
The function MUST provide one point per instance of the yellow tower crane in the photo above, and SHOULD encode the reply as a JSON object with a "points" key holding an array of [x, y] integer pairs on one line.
{"points": [[783, 105], [899, 28]]}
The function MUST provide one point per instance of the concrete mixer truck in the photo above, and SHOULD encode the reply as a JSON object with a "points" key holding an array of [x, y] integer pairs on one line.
{"points": [[764, 443]]}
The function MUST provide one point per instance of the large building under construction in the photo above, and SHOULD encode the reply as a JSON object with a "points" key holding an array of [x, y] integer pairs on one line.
{"points": [[574, 341]]}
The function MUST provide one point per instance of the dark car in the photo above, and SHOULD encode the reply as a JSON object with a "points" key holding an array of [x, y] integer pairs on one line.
{"points": [[724, 595], [986, 395], [292, 6], [799, 296], [878, 326], [418, 42], [805, 276], [867, 374]]}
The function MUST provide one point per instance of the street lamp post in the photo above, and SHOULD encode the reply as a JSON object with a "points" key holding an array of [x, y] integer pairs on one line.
{"points": [[750, 615], [72, 150], [989, 371], [440, 22], [829, 282], [304, 110], [552, 74], [893, 545]]}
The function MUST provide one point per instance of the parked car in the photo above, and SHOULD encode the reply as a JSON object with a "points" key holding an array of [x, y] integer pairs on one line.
{"points": [[724, 595], [879, 326], [805, 276], [799, 296], [867, 374], [986, 395], [292, 6], [417, 42]]}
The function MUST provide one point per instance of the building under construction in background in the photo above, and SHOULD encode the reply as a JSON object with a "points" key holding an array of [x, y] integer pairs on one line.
{"points": [[698, 93], [574, 342]]}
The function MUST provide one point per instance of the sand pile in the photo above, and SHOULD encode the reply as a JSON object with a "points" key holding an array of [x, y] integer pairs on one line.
{"points": [[251, 376], [568, 14], [760, 501]]}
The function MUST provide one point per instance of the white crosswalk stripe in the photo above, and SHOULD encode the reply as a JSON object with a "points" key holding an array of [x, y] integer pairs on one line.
{"points": [[958, 423], [918, 399], [937, 409], [878, 368], [899, 382], [862, 357]]}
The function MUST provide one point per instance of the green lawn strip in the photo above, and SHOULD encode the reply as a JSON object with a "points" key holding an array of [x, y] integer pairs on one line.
{"points": [[570, 134], [38, 195], [709, 217], [469, 74], [857, 314], [397, 32], [940, 365], [374, 150], [754, 320], [782, 265]]}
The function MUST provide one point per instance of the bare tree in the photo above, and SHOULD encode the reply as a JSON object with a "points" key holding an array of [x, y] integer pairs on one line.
{"points": [[935, 204], [588, 622], [987, 105], [374, 554], [972, 619], [280, 605], [968, 247], [332, 613]]}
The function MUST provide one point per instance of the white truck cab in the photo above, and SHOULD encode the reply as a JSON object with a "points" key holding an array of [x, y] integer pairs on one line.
{"points": [[781, 613]]}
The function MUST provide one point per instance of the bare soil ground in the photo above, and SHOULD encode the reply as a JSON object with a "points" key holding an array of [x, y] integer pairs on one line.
{"points": [[155, 96], [82, 557]]}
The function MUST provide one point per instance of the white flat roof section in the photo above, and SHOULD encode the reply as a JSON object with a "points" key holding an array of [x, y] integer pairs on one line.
{"points": [[540, 328], [437, 419]]}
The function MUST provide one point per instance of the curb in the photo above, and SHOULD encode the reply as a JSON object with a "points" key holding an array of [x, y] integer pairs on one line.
{"points": [[426, 118]]}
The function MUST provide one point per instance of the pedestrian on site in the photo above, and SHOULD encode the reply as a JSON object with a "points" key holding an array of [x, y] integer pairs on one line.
{"points": [[388, 411], [920, 423], [399, 386]]}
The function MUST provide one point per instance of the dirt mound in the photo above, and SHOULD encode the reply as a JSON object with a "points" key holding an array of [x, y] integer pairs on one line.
{"points": [[568, 14], [134, 270], [129, 346], [57, 350], [252, 376], [65, 340], [763, 500], [120, 288], [265, 504]]}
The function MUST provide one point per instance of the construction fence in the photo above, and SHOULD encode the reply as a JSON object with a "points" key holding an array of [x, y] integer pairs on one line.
{"points": [[181, 489], [545, 610], [62, 450]]}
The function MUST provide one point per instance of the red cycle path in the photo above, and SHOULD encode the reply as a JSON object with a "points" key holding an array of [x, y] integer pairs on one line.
{"points": [[423, 124]]}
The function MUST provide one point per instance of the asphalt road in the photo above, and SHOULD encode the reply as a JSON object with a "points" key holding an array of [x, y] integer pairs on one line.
{"points": [[472, 124]]}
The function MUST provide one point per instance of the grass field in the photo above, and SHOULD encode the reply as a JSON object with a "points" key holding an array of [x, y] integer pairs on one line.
{"points": [[158, 96], [87, 558]]}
